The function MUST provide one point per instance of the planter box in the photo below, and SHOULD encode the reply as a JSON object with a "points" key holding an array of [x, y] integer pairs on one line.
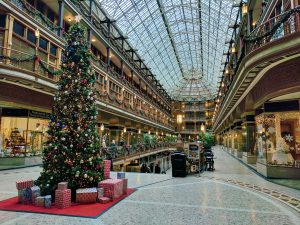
{"points": [[248, 158], [20, 161], [278, 171]]}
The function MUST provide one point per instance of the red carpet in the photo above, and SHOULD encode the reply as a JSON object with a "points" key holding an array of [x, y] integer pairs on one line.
{"points": [[88, 210]]}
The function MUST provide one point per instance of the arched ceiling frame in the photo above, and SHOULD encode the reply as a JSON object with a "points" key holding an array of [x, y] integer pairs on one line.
{"points": [[177, 36]]}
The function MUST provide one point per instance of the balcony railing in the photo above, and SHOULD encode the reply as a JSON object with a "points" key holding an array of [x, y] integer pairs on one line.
{"points": [[274, 29], [84, 9], [29, 62], [127, 151], [36, 15]]}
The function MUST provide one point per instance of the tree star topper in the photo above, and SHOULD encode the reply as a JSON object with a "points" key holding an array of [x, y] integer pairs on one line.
{"points": [[78, 18]]}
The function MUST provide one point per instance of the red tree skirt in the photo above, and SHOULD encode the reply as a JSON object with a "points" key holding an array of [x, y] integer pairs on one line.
{"points": [[80, 210]]}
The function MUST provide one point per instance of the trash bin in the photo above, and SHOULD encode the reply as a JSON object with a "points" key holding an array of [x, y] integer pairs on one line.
{"points": [[178, 161]]}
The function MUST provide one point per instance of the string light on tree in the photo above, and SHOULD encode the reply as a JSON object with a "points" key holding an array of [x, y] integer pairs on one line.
{"points": [[71, 153]]}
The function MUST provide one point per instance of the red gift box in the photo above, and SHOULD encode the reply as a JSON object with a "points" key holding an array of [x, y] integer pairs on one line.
{"points": [[86, 195], [106, 172], [63, 198], [62, 186], [104, 200], [113, 188], [125, 186], [22, 184]]}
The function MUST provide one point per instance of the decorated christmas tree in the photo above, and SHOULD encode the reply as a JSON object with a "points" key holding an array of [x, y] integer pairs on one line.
{"points": [[72, 152]]}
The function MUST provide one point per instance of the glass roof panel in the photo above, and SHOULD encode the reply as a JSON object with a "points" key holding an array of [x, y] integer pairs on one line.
{"points": [[182, 41]]}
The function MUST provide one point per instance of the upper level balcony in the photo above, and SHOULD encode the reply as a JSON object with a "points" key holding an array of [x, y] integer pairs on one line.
{"points": [[34, 61], [273, 41], [54, 18]]}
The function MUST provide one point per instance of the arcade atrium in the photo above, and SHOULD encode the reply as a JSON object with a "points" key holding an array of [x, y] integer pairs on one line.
{"points": [[150, 112]]}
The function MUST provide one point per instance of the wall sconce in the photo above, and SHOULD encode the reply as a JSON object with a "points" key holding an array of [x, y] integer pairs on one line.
{"points": [[139, 131], [202, 128], [226, 71], [69, 19], [124, 130], [233, 50], [179, 119], [106, 78], [93, 40], [37, 33], [156, 133], [102, 127], [244, 9], [149, 132], [222, 85]]}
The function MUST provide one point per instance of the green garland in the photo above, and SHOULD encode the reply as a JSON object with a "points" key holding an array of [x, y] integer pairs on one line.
{"points": [[36, 13], [51, 72], [29, 59], [17, 60], [282, 19]]}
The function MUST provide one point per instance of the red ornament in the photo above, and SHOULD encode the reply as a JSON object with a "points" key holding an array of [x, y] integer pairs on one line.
{"points": [[85, 126]]}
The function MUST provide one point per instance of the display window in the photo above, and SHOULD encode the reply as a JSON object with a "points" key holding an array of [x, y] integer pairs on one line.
{"points": [[22, 136], [278, 138]]}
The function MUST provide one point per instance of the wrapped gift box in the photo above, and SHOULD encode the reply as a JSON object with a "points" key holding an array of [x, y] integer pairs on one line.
{"points": [[100, 193], [48, 201], [104, 200], [26, 196], [113, 188], [120, 175], [63, 198], [106, 171], [62, 185], [86, 195], [125, 186], [22, 184], [40, 201], [35, 192]]}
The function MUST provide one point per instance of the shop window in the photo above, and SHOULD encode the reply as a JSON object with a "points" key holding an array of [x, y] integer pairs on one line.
{"points": [[43, 44], [18, 28], [2, 20], [53, 49], [31, 36], [278, 138], [22, 136]]}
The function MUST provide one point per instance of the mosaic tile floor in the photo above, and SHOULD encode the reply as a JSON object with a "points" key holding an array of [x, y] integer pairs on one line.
{"points": [[232, 194]]}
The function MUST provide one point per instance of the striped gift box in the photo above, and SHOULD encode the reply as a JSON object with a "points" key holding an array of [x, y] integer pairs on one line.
{"points": [[113, 188], [22, 184], [62, 186], [86, 195], [63, 198], [106, 172]]}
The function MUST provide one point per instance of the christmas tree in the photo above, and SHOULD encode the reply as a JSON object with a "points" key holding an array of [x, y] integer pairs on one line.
{"points": [[72, 151]]}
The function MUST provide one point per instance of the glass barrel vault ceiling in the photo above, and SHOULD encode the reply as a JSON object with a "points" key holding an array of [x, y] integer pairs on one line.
{"points": [[182, 41]]}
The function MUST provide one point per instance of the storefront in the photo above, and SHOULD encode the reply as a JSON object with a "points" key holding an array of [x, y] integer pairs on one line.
{"points": [[23, 132], [278, 139]]}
